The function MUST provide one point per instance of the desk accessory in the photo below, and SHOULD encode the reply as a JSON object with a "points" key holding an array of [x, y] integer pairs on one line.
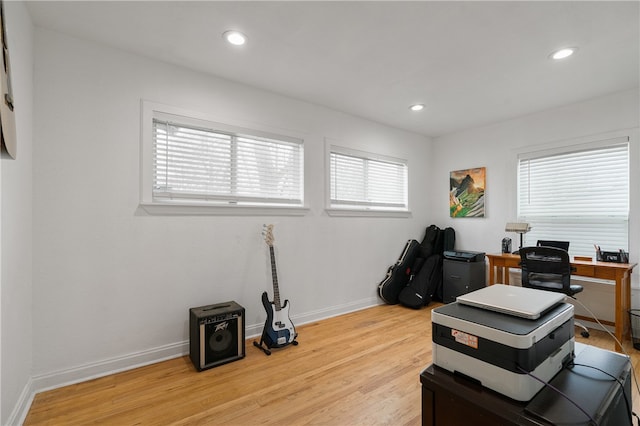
{"points": [[519, 228], [506, 245], [619, 256]]}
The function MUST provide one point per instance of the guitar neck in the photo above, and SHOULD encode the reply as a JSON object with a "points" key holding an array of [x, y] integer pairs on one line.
{"points": [[274, 277]]}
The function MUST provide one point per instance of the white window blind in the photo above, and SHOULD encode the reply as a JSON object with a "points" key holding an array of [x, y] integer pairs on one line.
{"points": [[580, 196], [205, 164], [366, 181]]}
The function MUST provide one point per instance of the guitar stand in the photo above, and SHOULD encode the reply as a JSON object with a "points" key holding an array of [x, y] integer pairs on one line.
{"points": [[262, 348], [266, 349]]}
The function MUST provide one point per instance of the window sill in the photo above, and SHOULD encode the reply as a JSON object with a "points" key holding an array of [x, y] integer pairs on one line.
{"points": [[184, 209], [367, 213]]}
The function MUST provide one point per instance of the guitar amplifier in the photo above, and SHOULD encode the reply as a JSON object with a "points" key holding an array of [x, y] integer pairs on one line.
{"points": [[216, 334]]}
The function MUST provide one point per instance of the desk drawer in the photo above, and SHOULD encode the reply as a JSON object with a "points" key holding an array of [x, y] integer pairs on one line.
{"points": [[585, 270]]}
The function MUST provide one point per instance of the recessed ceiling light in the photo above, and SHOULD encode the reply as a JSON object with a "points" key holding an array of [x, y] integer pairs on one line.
{"points": [[235, 37], [417, 107], [563, 53]]}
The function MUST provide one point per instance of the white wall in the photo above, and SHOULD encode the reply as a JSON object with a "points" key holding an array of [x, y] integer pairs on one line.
{"points": [[16, 224], [495, 147], [112, 284]]}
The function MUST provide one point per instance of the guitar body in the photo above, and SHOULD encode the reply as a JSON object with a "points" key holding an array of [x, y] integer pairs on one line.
{"points": [[278, 331]]}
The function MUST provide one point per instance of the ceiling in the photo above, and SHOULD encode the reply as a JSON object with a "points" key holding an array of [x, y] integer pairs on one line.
{"points": [[471, 63]]}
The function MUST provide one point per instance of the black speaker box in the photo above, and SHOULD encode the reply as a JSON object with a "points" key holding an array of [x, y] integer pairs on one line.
{"points": [[216, 334]]}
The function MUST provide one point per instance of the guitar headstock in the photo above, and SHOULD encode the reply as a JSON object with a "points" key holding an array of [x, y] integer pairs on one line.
{"points": [[267, 232]]}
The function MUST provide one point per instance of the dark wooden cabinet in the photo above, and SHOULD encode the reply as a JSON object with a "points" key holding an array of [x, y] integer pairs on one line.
{"points": [[451, 400], [461, 277]]}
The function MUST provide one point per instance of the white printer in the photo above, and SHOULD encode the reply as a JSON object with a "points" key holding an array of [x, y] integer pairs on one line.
{"points": [[501, 336]]}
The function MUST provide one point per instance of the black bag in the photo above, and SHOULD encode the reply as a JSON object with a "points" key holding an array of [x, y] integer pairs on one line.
{"points": [[424, 285], [436, 284], [430, 241], [398, 274], [448, 239], [448, 244], [437, 241]]}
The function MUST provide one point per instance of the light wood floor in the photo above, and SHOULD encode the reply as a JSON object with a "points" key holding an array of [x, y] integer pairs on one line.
{"points": [[361, 368]]}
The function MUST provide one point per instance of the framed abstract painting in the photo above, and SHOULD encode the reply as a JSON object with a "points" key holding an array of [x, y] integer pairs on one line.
{"points": [[466, 192]]}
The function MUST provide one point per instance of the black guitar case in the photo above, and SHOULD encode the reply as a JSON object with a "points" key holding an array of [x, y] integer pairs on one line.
{"points": [[449, 239], [426, 282], [398, 274], [432, 238], [424, 285], [448, 244]]}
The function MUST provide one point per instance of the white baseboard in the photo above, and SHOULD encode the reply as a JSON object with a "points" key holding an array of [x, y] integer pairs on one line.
{"points": [[254, 330], [333, 311], [82, 373], [21, 408], [56, 379]]}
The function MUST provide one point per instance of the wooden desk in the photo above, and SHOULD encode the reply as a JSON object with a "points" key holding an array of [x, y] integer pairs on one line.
{"points": [[499, 265]]}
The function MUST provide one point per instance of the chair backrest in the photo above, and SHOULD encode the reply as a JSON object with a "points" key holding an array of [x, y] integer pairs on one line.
{"points": [[564, 245], [546, 268]]}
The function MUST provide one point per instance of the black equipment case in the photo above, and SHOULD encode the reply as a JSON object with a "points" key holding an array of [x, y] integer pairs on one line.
{"points": [[398, 274]]}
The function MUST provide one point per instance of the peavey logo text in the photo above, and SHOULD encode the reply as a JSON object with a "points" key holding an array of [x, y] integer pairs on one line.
{"points": [[221, 326]]}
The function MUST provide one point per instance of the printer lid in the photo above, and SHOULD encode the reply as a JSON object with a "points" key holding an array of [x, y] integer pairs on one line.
{"points": [[468, 256], [513, 300]]}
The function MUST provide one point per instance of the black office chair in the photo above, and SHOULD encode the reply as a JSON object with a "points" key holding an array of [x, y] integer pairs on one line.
{"points": [[549, 268], [564, 245]]}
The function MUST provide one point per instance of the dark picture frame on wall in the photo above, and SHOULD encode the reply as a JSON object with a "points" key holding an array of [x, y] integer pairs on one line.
{"points": [[466, 192], [7, 116]]}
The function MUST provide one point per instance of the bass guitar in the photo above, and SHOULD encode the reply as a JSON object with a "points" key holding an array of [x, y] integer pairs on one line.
{"points": [[278, 330]]}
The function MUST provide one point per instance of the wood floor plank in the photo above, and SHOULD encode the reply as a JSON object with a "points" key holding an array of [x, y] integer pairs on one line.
{"points": [[360, 368]]}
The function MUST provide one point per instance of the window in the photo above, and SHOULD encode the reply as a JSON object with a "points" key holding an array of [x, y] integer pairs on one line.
{"points": [[199, 162], [580, 195], [367, 182]]}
